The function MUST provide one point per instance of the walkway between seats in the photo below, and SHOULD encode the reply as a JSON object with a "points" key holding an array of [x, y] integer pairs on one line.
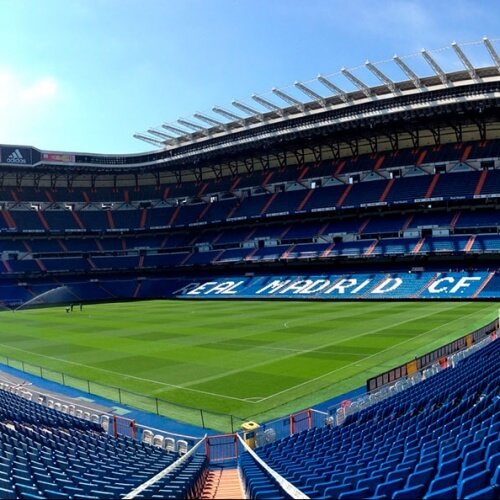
{"points": [[223, 483]]}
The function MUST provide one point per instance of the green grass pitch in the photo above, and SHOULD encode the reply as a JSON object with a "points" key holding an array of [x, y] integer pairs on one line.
{"points": [[252, 359]]}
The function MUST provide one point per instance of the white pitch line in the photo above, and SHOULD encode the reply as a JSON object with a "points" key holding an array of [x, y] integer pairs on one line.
{"points": [[360, 361], [255, 399], [123, 375], [288, 349], [306, 351]]}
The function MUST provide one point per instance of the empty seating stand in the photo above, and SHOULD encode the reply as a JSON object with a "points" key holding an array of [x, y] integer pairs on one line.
{"points": [[46, 454], [437, 439], [348, 208]]}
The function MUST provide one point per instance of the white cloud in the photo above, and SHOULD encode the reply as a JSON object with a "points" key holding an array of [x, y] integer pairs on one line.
{"points": [[43, 89], [18, 92], [407, 25], [25, 105]]}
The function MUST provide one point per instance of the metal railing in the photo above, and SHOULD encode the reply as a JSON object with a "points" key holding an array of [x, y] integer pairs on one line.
{"points": [[112, 424], [206, 419], [181, 460], [421, 362], [289, 489], [340, 412], [222, 448]]}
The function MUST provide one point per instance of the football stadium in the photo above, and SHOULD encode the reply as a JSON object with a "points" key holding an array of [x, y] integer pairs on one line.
{"points": [[293, 296]]}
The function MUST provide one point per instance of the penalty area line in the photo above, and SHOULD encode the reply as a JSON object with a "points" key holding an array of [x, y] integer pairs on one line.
{"points": [[306, 351], [123, 375], [265, 398]]}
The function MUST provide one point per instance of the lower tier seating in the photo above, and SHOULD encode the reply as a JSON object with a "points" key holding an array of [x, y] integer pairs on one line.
{"points": [[437, 439], [376, 285], [46, 454]]}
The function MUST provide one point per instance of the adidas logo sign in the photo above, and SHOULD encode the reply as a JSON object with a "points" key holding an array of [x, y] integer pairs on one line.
{"points": [[16, 157]]}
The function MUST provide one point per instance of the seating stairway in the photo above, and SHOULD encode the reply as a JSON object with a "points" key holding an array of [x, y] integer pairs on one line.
{"points": [[223, 483]]}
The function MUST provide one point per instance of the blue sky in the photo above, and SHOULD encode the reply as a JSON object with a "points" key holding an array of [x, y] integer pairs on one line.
{"points": [[84, 75]]}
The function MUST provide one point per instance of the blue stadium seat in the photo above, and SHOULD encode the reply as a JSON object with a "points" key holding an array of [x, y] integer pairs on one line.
{"points": [[426, 450], [443, 494], [56, 495], [355, 494], [86, 463], [473, 483], [410, 493], [388, 488]]}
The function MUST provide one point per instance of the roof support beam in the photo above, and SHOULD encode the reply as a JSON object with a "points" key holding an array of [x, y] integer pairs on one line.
{"points": [[458, 131], [310, 93], [361, 85], [246, 109], [288, 98], [267, 104], [227, 114], [160, 134], [465, 61], [492, 52], [264, 161], [233, 168], [250, 165], [393, 139], [317, 152], [408, 72], [149, 140], [332, 87], [354, 146], [189, 124], [435, 66], [175, 129], [207, 119], [481, 127], [381, 76]]}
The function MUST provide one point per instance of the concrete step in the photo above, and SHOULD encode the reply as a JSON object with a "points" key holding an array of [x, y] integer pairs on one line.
{"points": [[223, 483]]}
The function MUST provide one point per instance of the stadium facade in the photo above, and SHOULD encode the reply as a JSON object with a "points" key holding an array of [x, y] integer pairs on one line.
{"points": [[386, 191]]}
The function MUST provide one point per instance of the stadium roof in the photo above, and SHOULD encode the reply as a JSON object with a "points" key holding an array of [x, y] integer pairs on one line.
{"points": [[323, 93]]}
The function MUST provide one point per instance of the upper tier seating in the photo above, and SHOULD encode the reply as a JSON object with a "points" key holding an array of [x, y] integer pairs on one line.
{"points": [[447, 153], [364, 192], [486, 149], [60, 220], [126, 217], [251, 206], [456, 185], [160, 217], [324, 198], [287, 202], [492, 183], [218, 211], [324, 169], [409, 188], [284, 175], [188, 214], [95, 220]]}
